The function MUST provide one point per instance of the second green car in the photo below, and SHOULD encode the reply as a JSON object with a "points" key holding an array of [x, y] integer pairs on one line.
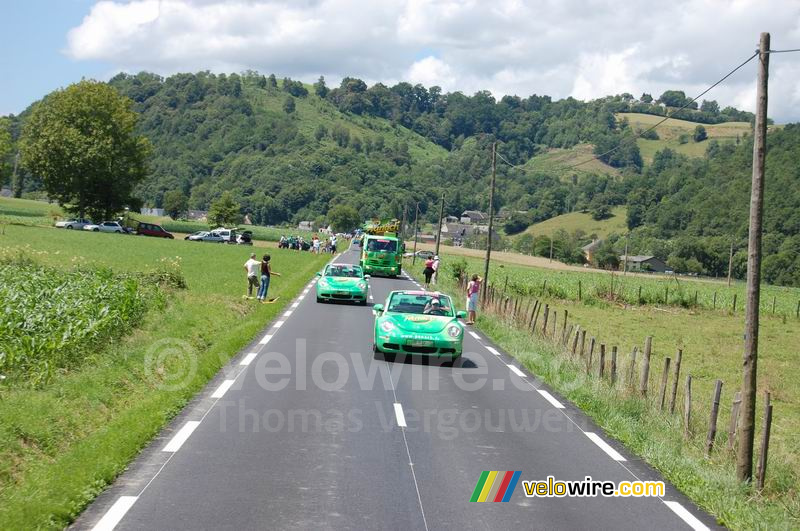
{"points": [[342, 282]]}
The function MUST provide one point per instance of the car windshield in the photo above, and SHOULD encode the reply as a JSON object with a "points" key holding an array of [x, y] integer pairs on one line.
{"points": [[342, 270], [377, 244], [421, 303]]}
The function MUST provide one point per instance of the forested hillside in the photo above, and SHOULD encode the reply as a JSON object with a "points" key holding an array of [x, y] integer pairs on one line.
{"points": [[289, 152]]}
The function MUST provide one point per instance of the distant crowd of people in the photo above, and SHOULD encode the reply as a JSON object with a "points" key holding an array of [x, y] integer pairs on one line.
{"points": [[315, 244]]}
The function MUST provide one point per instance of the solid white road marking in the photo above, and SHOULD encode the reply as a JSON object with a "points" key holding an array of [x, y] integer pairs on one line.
{"points": [[114, 514], [516, 371], [616, 456], [222, 389], [180, 437], [550, 398], [493, 351], [249, 358], [401, 418], [278, 324], [473, 334], [265, 339], [685, 515], [288, 313]]}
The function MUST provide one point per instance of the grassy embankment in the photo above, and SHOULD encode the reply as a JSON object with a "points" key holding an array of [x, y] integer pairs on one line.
{"points": [[582, 221], [62, 442], [712, 349]]}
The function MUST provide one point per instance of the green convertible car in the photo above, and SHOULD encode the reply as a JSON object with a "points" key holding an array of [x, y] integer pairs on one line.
{"points": [[342, 282], [418, 322]]}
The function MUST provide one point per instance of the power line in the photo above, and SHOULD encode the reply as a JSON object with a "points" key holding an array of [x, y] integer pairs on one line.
{"points": [[784, 51], [667, 117]]}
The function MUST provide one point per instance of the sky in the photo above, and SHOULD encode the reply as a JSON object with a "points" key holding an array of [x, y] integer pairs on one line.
{"points": [[580, 48]]}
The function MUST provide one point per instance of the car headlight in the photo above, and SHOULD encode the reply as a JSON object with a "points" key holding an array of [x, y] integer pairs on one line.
{"points": [[387, 326], [362, 285], [322, 282], [453, 331]]}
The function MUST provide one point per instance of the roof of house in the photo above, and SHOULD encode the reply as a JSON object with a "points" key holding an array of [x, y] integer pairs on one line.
{"points": [[473, 213], [637, 258], [594, 244]]}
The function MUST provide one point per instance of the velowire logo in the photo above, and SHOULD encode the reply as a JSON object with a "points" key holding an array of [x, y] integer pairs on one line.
{"points": [[495, 486]]}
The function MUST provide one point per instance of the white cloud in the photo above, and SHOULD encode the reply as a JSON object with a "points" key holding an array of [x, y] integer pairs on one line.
{"points": [[585, 48]]}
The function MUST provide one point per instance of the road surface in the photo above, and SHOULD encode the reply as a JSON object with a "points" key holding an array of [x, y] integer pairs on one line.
{"points": [[305, 430]]}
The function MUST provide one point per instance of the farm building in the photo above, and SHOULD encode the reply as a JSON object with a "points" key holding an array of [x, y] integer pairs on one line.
{"points": [[590, 248], [643, 263], [473, 217]]}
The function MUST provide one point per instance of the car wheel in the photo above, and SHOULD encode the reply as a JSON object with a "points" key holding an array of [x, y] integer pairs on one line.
{"points": [[118, 231], [363, 303], [95, 230], [377, 354], [69, 227], [319, 299]]}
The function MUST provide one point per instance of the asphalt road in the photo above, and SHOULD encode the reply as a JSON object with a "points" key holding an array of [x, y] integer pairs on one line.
{"points": [[305, 430]]}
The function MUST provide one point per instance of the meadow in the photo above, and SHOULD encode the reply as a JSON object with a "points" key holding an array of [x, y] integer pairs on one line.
{"points": [[62, 441], [582, 221], [712, 346]]}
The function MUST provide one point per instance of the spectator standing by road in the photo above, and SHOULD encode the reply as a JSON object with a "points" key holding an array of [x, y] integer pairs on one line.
{"points": [[435, 267], [473, 288], [428, 271], [252, 269], [316, 244], [266, 274], [333, 244]]}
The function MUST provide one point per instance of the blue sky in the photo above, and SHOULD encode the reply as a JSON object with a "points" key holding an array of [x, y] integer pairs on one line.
{"points": [[580, 48], [32, 37]]}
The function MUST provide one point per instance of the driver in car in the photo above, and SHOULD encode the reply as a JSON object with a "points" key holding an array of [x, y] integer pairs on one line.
{"points": [[434, 307]]}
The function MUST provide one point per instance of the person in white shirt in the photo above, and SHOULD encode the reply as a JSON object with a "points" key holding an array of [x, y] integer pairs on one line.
{"points": [[435, 267], [253, 267]]}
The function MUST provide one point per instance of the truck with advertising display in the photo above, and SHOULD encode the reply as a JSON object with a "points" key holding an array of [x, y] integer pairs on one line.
{"points": [[382, 249]]}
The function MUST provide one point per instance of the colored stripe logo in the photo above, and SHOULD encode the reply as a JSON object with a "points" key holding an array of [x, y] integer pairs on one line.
{"points": [[495, 486]]}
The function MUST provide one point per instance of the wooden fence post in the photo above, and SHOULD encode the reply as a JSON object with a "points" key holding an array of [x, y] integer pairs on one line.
{"points": [[639, 296], [536, 318], [613, 365], [675, 377], [695, 298], [544, 319], [797, 310], [575, 341], [555, 317], [761, 471], [687, 407], [715, 300], [773, 305], [583, 341], [589, 357], [666, 295], [602, 368], [564, 326], [734, 302], [662, 393], [533, 312], [632, 368], [737, 401], [580, 290], [645, 375], [567, 335], [712, 425]]}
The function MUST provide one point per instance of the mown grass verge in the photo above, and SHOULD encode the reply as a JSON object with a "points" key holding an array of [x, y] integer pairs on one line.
{"points": [[657, 436], [62, 443]]}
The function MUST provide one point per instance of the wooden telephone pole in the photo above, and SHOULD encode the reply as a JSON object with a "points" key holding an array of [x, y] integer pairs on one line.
{"points": [[485, 282], [744, 459], [439, 225], [416, 231], [730, 265]]}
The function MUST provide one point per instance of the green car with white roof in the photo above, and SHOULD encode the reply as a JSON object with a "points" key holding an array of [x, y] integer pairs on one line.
{"points": [[342, 282]]}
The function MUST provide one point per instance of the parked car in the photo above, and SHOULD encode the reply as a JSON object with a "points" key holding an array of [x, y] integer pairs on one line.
{"points": [[106, 226], [245, 238], [77, 223], [195, 235], [151, 229], [210, 236]]}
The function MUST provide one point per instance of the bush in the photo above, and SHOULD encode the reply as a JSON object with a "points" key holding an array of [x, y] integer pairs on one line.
{"points": [[458, 269]]}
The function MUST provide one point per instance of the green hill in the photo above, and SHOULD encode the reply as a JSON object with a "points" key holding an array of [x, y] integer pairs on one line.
{"points": [[558, 161], [671, 131], [582, 221]]}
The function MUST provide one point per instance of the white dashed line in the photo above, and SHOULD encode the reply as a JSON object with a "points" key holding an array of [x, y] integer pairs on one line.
{"points": [[550, 398], [288, 313], [295, 304], [222, 389], [473, 334], [401, 418], [113, 516], [249, 358], [278, 324], [370, 298], [180, 437], [516, 371], [493, 351], [685, 515], [616, 456], [265, 339], [301, 297]]}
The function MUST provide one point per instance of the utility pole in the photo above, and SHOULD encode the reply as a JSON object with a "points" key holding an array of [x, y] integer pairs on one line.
{"points": [[416, 220], [625, 263], [439, 225], [403, 226], [17, 185], [730, 264], [551, 248], [744, 459], [491, 216]]}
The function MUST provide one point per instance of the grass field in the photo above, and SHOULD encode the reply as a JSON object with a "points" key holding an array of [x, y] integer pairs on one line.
{"points": [[712, 349], [557, 161], [62, 443], [583, 221], [670, 131]]}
